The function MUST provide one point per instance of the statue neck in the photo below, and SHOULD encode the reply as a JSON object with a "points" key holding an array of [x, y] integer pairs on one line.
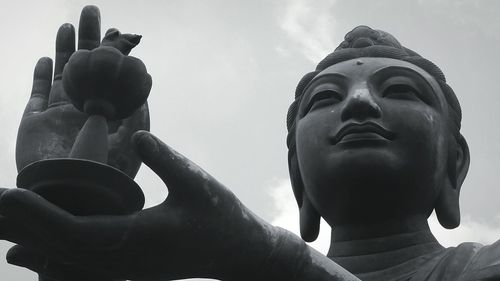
{"points": [[383, 246]]}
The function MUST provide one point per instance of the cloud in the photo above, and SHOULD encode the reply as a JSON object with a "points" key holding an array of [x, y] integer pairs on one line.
{"points": [[310, 25], [288, 214], [470, 230], [288, 217]]}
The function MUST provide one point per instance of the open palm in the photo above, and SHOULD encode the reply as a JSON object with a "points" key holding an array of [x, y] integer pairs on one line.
{"points": [[50, 122]]}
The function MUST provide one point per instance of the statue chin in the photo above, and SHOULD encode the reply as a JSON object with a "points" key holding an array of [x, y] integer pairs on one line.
{"points": [[354, 190]]}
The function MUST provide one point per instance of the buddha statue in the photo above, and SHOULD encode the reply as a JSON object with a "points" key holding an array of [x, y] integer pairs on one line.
{"points": [[374, 147]]}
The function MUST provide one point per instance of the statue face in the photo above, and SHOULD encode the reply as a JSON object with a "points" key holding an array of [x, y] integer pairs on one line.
{"points": [[372, 141]]}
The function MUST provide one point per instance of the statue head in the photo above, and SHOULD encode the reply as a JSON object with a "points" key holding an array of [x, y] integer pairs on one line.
{"points": [[374, 134]]}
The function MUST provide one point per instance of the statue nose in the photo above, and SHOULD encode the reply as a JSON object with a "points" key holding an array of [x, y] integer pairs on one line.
{"points": [[360, 105]]}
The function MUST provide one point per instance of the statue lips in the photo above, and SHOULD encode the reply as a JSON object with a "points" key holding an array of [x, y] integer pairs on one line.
{"points": [[362, 133]]}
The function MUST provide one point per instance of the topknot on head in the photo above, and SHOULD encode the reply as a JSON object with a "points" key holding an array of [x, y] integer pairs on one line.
{"points": [[363, 36]]}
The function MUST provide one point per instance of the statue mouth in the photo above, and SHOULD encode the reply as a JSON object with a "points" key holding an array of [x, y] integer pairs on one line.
{"points": [[358, 132]]}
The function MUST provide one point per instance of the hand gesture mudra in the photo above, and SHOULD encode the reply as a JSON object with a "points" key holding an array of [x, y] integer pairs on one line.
{"points": [[50, 122]]}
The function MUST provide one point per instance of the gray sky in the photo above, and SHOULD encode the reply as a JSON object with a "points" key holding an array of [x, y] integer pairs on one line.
{"points": [[224, 73]]}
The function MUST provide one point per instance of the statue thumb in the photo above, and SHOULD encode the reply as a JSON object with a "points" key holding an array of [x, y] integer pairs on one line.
{"points": [[146, 144]]}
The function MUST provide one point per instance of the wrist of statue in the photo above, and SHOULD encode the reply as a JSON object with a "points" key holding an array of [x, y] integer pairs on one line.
{"points": [[263, 252], [289, 258], [271, 253], [288, 255]]}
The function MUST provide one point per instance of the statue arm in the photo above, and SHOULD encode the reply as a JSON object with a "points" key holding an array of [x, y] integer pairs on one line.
{"points": [[200, 230], [292, 259]]}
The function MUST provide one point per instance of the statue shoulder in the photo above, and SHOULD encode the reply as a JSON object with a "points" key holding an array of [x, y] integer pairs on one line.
{"points": [[465, 262], [484, 264]]}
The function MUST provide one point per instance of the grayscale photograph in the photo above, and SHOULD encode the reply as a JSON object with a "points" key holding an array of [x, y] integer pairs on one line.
{"points": [[281, 140]]}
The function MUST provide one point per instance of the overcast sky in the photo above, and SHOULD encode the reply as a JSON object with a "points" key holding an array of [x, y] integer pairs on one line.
{"points": [[224, 73]]}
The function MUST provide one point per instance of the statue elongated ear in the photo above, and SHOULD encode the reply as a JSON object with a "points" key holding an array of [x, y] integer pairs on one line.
{"points": [[309, 220], [448, 207], [295, 177], [309, 216]]}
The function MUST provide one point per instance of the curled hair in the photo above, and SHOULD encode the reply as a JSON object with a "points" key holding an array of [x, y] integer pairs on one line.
{"points": [[363, 41]]}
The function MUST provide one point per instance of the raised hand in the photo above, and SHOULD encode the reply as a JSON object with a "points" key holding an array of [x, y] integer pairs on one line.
{"points": [[50, 122]]}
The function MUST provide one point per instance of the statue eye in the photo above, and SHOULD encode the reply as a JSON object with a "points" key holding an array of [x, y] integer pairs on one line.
{"points": [[401, 92], [322, 99]]}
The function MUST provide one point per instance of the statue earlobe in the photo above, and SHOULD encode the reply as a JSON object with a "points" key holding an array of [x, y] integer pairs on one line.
{"points": [[309, 216], [309, 220], [448, 207]]}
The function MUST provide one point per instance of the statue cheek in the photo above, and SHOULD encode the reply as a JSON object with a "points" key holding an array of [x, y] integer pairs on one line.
{"points": [[437, 137], [430, 123], [438, 131], [313, 132]]}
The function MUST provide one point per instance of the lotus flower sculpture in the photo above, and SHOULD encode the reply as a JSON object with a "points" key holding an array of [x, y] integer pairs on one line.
{"points": [[105, 81], [107, 84]]}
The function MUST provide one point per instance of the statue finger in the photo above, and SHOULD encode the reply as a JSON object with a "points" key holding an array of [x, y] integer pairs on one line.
{"points": [[25, 257], [16, 233], [48, 267], [121, 149], [42, 80], [28, 219], [89, 30], [179, 174], [95, 240], [41, 219], [10, 232], [65, 47]]}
